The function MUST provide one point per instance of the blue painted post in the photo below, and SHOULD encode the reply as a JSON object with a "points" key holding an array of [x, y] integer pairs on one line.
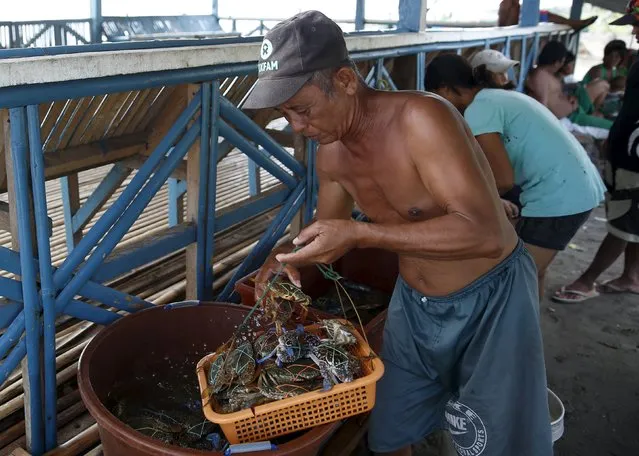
{"points": [[529, 14], [214, 8], [310, 176], [575, 13], [69, 202], [96, 21], [212, 190], [522, 63], [379, 74], [254, 178], [46, 275], [576, 9], [174, 199], [421, 70], [205, 147], [360, 15], [20, 160], [412, 15]]}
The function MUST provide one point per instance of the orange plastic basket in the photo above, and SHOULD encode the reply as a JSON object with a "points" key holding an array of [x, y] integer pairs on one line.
{"points": [[294, 414]]}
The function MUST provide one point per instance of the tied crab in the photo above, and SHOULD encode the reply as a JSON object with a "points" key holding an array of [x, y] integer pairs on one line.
{"points": [[336, 364], [292, 346], [272, 387], [280, 301], [338, 333]]}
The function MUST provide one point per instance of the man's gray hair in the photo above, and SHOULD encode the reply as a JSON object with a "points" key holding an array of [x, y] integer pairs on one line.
{"points": [[324, 78]]}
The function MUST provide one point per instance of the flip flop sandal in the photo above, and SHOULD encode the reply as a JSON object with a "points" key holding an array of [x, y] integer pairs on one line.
{"points": [[578, 296], [610, 288]]}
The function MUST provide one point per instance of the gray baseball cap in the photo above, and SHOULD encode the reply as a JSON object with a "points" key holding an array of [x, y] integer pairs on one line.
{"points": [[291, 52]]}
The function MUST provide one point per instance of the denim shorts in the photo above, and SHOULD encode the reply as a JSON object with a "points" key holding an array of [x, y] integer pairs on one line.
{"points": [[471, 362]]}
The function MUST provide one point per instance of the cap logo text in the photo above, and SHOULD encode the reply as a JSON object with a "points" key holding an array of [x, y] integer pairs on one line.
{"points": [[267, 66], [266, 50]]}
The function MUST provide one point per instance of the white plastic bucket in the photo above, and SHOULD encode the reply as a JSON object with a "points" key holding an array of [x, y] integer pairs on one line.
{"points": [[557, 412]]}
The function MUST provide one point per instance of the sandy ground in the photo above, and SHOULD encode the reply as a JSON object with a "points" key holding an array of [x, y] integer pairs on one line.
{"points": [[591, 358]]}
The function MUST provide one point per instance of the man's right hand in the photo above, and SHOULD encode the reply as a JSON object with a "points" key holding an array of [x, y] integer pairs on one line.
{"points": [[271, 267]]}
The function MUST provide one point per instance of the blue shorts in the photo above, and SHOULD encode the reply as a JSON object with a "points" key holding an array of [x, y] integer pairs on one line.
{"points": [[471, 362]]}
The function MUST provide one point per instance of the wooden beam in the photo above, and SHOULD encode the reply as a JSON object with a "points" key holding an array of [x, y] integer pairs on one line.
{"points": [[192, 200], [65, 161], [136, 161]]}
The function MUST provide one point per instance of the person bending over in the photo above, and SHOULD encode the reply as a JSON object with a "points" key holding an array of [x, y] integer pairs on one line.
{"points": [[462, 343], [525, 146]]}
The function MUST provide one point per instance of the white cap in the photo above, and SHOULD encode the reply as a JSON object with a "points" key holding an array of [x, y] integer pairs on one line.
{"points": [[495, 61]]}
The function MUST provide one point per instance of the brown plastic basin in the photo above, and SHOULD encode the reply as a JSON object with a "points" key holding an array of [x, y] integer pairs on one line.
{"points": [[162, 332]]}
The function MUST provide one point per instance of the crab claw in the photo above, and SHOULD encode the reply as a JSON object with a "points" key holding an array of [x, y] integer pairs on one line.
{"points": [[299, 329], [327, 385]]}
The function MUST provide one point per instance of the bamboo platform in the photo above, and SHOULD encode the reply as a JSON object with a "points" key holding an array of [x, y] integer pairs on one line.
{"points": [[160, 282]]}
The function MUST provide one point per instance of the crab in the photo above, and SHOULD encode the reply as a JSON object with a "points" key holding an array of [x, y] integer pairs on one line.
{"points": [[338, 332], [265, 344], [241, 363], [219, 376], [280, 301], [270, 387], [292, 345], [240, 397], [336, 364]]}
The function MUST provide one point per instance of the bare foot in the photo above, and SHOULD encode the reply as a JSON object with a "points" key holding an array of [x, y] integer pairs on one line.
{"points": [[580, 25], [620, 285]]}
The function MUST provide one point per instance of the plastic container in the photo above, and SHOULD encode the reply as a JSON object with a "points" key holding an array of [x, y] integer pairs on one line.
{"points": [[375, 268], [153, 333], [285, 416]]}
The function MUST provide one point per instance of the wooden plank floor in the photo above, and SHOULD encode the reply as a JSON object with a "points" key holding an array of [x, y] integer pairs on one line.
{"points": [[161, 282]]}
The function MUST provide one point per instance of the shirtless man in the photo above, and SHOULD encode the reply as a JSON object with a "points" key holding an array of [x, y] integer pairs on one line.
{"points": [[462, 341], [543, 85]]}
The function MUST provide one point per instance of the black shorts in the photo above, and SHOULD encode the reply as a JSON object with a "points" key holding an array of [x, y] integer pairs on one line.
{"points": [[622, 212], [552, 233]]}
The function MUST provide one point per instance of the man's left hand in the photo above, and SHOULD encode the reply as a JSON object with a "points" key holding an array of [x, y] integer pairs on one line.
{"points": [[324, 242]]}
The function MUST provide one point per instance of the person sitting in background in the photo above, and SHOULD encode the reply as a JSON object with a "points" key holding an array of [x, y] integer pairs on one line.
{"points": [[544, 85], [611, 68], [559, 184], [497, 66], [622, 202], [509, 15], [565, 75]]}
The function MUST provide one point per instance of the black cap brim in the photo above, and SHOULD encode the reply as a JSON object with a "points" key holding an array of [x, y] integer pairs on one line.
{"points": [[626, 19], [269, 93]]}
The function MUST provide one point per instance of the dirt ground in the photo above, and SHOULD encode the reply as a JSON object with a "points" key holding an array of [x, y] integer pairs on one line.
{"points": [[592, 358]]}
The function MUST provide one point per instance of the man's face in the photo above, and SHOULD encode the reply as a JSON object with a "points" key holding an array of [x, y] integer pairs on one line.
{"points": [[318, 116]]}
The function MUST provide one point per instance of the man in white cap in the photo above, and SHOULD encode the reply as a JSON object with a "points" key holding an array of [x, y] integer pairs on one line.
{"points": [[498, 65]]}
